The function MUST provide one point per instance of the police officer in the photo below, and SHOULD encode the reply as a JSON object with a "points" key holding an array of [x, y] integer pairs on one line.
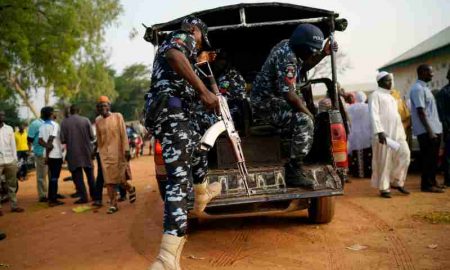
{"points": [[231, 85], [230, 82], [274, 94], [174, 91]]}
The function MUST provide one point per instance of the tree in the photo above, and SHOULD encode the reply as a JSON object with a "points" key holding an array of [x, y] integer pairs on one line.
{"points": [[45, 44], [131, 87], [323, 69], [95, 79], [8, 104]]}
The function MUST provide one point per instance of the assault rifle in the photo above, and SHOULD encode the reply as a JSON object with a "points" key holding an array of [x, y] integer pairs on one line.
{"points": [[225, 123]]}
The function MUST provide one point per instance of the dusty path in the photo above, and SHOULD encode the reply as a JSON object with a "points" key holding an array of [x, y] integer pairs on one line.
{"points": [[57, 238]]}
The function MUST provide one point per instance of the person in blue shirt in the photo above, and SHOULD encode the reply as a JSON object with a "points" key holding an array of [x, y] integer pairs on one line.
{"points": [[427, 127], [443, 104], [38, 150]]}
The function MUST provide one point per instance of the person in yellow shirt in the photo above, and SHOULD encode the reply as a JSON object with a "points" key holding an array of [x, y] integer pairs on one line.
{"points": [[404, 112], [22, 151]]}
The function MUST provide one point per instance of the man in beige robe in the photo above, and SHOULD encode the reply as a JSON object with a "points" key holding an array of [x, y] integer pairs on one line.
{"points": [[114, 152], [391, 155]]}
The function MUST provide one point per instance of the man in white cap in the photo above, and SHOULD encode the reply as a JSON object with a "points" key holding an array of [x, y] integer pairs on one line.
{"points": [[391, 155]]}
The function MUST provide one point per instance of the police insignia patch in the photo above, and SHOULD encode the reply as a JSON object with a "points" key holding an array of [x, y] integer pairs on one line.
{"points": [[290, 74], [179, 41]]}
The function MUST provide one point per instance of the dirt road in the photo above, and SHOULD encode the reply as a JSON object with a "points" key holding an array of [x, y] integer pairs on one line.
{"points": [[393, 231]]}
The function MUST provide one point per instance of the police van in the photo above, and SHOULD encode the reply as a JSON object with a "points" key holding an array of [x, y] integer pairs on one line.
{"points": [[248, 32]]}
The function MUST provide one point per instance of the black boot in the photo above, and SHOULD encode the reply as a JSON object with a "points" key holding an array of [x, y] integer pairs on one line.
{"points": [[295, 177]]}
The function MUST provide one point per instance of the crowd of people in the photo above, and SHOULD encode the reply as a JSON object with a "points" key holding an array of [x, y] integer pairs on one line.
{"points": [[74, 141], [382, 130]]}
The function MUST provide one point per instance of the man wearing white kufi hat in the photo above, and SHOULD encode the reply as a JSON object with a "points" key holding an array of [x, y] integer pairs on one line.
{"points": [[391, 155]]}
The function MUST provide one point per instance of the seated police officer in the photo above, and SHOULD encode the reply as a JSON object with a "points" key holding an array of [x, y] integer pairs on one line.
{"points": [[231, 85], [274, 95]]}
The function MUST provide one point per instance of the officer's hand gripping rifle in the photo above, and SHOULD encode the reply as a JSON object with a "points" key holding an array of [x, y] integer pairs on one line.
{"points": [[225, 123]]}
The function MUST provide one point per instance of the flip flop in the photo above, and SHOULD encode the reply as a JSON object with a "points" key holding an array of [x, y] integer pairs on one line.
{"points": [[112, 210]]}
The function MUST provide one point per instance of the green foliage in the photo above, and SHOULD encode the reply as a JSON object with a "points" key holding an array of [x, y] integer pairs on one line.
{"points": [[8, 104], [131, 87], [49, 43], [96, 79]]}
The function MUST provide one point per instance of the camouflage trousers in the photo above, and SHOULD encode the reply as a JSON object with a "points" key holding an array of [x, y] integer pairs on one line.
{"points": [[184, 165], [299, 125]]}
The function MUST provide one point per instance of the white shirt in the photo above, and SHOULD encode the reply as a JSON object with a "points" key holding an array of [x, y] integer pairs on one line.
{"points": [[384, 115], [360, 136], [8, 152], [51, 128]]}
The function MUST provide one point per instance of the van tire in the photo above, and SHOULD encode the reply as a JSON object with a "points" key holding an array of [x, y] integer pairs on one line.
{"points": [[321, 210]]}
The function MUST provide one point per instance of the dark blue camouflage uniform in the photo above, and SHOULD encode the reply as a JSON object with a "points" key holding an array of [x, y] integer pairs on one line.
{"points": [[231, 84], [278, 76], [175, 127]]}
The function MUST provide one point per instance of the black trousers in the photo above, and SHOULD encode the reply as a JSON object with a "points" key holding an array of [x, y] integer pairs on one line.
{"points": [[429, 154], [99, 181], [54, 170], [22, 155], [447, 159], [77, 176]]}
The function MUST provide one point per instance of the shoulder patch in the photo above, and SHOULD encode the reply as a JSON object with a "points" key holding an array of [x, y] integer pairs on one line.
{"points": [[290, 74]]}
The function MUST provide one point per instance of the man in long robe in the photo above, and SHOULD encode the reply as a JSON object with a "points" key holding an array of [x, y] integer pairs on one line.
{"points": [[391, 155], [114, 152]]}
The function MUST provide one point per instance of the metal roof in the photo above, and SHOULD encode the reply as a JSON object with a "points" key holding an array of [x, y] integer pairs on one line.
{"points": [[254, 13], [438, 41], [247, 32]]}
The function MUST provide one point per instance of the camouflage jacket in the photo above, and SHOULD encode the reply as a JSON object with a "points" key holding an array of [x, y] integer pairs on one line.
{"points": [[164, 79], [278, 75], [231, 84]]}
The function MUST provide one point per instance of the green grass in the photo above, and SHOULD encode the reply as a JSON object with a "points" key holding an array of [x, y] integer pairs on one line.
{"points": [[435, 217]]}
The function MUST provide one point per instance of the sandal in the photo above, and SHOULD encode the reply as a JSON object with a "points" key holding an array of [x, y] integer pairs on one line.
{"points": [[132, 195], [112, 210]]}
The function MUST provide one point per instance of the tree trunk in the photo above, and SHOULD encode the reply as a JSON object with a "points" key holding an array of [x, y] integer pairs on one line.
{"points": [[23, 95], [47, 96]]}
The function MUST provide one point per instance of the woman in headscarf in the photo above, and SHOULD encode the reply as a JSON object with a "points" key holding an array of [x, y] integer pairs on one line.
{"points": [[359, 139]]}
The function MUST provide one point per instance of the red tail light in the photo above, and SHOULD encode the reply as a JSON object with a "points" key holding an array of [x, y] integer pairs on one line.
{"points": [[158, 148], [339, 144], [159, 161]]}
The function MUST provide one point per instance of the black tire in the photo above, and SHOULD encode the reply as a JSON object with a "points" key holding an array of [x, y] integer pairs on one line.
{"points": [[321, 210]]}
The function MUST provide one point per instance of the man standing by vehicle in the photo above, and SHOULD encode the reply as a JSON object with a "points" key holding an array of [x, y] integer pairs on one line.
{"points": [[387, 125], [443, 104], [8, 162], [174, 90], [427, 127], [39, 159], [76, 133], [274, 94], [22, 151]]}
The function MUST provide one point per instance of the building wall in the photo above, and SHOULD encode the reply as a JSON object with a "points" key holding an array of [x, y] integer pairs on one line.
{"points": [[404, 77]]}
